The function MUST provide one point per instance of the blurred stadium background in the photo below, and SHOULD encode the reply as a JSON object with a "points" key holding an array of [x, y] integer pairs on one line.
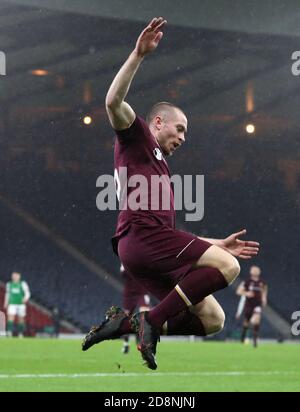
{"points": [[226, 63]]}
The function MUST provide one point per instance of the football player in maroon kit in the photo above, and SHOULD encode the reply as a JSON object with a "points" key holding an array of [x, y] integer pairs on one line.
{"points": [[254, 291], [135, 297], [180, 269]]}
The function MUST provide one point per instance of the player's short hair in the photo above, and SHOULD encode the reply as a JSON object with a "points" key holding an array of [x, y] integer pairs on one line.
{"points": [[161, 107]]}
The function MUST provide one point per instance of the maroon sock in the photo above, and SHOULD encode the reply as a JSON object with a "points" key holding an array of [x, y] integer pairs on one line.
{"points": [[185, 323], [255, 328], [255, 333], [196, 285], [244, 333]]}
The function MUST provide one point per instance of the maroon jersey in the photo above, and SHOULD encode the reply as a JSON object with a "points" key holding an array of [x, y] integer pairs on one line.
{"points": [[256, 286], [138, 153]]}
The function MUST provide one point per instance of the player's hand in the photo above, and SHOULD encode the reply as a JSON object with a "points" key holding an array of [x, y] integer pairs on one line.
{"points": [[249, 294], [150, 37], [244, 249]]}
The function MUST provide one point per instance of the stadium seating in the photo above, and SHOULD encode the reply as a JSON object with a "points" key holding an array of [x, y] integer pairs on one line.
{"points": [[55, 279]]}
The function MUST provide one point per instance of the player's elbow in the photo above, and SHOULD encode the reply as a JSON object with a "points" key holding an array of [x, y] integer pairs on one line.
{"points": [[108, 103], [112, 102]]}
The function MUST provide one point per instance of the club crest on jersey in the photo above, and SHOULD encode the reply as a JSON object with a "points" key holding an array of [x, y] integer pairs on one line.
{"points": [[158, 154]]}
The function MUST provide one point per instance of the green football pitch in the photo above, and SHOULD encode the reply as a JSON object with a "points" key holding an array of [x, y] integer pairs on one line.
{"points": [[34, 364]]}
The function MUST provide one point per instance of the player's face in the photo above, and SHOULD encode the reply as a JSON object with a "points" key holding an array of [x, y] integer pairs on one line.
{"points": [[255, 272], [15, 277], [172, 132]]}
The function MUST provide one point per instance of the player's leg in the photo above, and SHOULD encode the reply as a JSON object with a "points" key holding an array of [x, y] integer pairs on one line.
{"points": [[175, 256], [218, 258], [245, 329], [135, 297], [21, 326], [10, 325], [11, 315], [142, 306], [21, 313], [126, 346], [181, 252], [129, 302], [205, 318], [211, 314], [195, 286], [255, 323], [214, 270]]}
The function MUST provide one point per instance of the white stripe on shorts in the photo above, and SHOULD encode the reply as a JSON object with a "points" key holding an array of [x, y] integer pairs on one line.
{"points": [[185, 248]]}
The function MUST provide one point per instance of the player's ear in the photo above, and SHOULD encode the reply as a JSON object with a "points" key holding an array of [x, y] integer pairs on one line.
{"points": [[158, 122]]}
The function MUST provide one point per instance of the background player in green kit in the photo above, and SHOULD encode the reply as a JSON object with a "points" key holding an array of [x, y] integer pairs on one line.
{"points": [[16, 297]]}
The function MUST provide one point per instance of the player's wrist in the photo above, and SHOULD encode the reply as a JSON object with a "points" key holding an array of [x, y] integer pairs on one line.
{"points": [[222, 243], [137, 54]]}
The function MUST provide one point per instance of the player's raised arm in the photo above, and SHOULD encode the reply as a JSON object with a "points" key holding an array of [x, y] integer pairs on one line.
{"points": [[120, 113]]}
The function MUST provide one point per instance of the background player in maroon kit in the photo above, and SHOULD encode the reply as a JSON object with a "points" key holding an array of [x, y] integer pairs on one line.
{"points": [[179, 268], [255, 291], [135, 297]]}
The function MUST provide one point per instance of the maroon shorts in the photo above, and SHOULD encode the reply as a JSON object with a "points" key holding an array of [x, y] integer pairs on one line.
{"points": [[158, 256], [250, 310]]}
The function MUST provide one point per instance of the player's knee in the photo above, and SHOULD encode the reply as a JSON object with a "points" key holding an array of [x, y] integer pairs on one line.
{"points": [[220, 322], [255, 321], [231, 269], [215, 323]]}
